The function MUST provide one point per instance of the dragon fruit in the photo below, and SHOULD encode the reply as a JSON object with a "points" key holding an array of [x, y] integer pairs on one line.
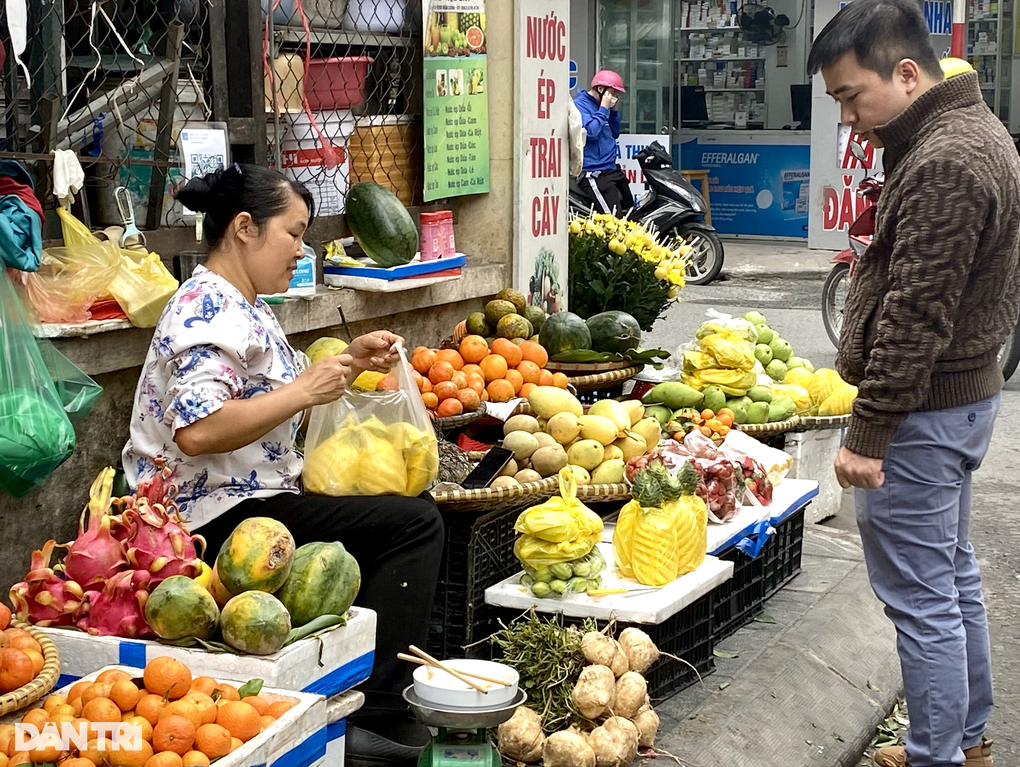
{"points": [[44, 598], [96, 555], [119, 609], [158, 543]]}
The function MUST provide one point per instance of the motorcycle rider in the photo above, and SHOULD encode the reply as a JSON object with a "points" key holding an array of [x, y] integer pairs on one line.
{"points": [[601, 179]]}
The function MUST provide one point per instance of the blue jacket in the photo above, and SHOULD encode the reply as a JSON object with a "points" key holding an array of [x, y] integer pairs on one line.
{"points": [[603, 128]]}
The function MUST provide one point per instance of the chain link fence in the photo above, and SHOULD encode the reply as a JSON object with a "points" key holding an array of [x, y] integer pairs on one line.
{"points": [[115, 81]]}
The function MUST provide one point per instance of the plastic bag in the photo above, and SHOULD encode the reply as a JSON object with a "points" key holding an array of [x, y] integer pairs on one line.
{"points": [[372, 443], [70, 279], [35, 433], [730, 350], [78, 393], [578, 138], [799, 395], [536, 553], [718, 322], [142, 287], [562, 517]]}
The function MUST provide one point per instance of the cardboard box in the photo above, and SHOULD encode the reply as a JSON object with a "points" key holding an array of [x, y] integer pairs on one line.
{"points": [[337, 710], [328, 664]]}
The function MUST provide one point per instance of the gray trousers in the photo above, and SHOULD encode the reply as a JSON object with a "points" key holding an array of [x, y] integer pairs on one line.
{"points": [[916, 534]]}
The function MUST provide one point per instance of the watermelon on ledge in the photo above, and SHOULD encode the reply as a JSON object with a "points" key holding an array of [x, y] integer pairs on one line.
{"points": [[614, 331], [381, 224], [564, 331]]}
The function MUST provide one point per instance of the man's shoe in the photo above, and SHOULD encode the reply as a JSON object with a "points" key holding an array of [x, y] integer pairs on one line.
{"points": [[363, 748], [979, 756], [890, 756]]}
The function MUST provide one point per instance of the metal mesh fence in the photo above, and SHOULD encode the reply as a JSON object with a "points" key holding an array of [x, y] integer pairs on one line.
{"points": [[345, 96]]}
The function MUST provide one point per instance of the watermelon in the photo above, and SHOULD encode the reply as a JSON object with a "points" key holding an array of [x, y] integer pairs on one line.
{"points": [[323, 580], [615, 332], [381, 224], [564, 331]]}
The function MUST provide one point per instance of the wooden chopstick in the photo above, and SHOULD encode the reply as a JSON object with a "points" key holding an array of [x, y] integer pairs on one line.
{"points": [[432, 661], [480, 677]]}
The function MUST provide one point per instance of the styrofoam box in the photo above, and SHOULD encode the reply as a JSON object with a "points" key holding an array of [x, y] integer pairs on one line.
{"points": [[327, 664], [813, 453], [297, 739], [337, 710]]}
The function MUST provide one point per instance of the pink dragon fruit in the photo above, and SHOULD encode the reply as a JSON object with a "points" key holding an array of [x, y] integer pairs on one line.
{"points": [[44, 598], [158, 543], [95, 555], [119, 609]]}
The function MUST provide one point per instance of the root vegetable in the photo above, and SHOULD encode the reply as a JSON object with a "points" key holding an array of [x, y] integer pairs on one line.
{"points": [[647, 723], [639, 648], [520, 737], [567, 749], [598, 648], [615, 743], [595, 691], [631, 694], [620, 664]]}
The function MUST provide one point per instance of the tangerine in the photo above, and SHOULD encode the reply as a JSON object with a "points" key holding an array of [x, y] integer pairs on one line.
{"points": [[52, 701], [165, 759], [441, 371], [182, 708], [494, 367], [213, 740], [470, 399], [125, 694], [141, 721], [96, 750], [76, 690], [168, 677], [473, 349], [445, 390], [532, 351], [96, 690], [267, 722], [426, 386], [527, 389], [44, 754], [127, 754], [449, 408], [500, 390], [174, 733], [235, 743], [257, 702], [4, 641], [205, 684], [16, 669], [508, 350], [20, 759], [195, 759], [149, 706], [4, 759], [75, 761], [530, 371], [470, 370], [24, 642], [5, 616], [240, 719], [515, 379], [36, 716], [64, 709], [205, 704], [546, 378], [228, 692], [6, 739], [279, 708], [452, 356], [431, 400], [560, 380], [422, 359], [101, 710], [112, 675], [37, 660]]}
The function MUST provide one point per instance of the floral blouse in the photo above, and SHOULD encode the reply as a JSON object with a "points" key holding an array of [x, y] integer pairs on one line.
{"points": [[211, 346]]}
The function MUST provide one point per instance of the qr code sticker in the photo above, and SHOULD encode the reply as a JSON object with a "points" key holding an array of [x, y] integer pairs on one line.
{"points": [[202, 163]]}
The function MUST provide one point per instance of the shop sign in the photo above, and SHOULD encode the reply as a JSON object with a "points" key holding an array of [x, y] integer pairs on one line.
{"points": [[542, 78], [627, 148], [456, 98], [842, 205], [938, 14]]}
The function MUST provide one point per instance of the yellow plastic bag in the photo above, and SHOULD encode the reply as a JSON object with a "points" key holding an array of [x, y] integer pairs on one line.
{"points": [[562, 517], [730, 350], [698, 361], [142, 287], [799, 395], [738, 379], [536, 553], [70, 280], [74, 231]]}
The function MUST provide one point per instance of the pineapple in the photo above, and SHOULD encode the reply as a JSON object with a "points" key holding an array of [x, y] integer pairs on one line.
{"points": [[468, 20], [690, 522]]}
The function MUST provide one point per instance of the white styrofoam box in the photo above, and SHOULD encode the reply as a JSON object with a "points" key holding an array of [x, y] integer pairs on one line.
{"points": [[328, 664], [297, 739], [813, 453], [337, 710]]}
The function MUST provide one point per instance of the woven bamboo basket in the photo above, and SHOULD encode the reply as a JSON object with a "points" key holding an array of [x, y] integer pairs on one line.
{"points": [[496, 498], [456, 421], [602, 493], [28, 694], [575, 369], [823, 422], [604, 380], [764, 429]]}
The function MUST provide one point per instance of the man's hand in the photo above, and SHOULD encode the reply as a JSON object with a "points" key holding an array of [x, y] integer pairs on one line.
{"points": [[375, 351], [853, 470]]}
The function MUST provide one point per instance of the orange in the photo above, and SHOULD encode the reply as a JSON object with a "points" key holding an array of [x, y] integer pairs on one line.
{"points": [[707, 414], [37, 660], [278, 709], [460, 379], [36, 716], [204, 684], [142, 722], [449, 408], [168, 677], [485, 396], [452, 356], [6, 739], [24, 642], [267, 722], [149, 706], [4, 760], [125, 694], [431, 400], [174, 733], [64, 709], [441, 371], [52, 701], [508, 350], [227, 691], [127, 754], [425, 386], [76, 690], [560, 380], [77, 704], [473, 349], [182, 708], [44, 754], [422, 359], [387, 383], [112, 675], [235, 743], [545, 379], [165, 759], [417, 378], [470, 370], [76, 761], [96, 690], [724, 430], [530, 371], [5, 642], [258, 703], [714, 424], [476, 381], [532, 351], [5, 616], [526, 390], [20, 759], [213, 740], [16, 669], [724, 411], [500, 390], [205, 704], [470, 399], [96, 751], [494, 367], [516, 379], [241, 719], [195, 759], [445, 390], [724, 419], [101, 710]]}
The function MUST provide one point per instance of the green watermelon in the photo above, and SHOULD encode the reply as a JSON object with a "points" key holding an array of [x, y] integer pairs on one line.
{"points": [[564, 331], [324, 580], [381, 224], [615, 332]]}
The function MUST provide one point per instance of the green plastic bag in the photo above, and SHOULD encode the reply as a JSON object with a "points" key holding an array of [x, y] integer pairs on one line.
{"points": [[36, 435], [78, 393]]}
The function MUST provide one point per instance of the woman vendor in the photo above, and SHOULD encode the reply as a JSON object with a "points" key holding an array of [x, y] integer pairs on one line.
{"points": [[222, 397]]}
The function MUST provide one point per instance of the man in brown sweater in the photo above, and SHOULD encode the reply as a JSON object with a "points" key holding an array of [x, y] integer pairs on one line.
{"points": [[930, 304]]}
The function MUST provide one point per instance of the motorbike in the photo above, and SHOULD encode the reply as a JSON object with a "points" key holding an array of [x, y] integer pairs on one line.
{"points": [[670, 205], [837, 284]]}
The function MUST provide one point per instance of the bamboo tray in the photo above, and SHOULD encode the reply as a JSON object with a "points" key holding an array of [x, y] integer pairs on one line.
{"points": [[28, 694], [603, 380], [496, 498], [763, 429]]}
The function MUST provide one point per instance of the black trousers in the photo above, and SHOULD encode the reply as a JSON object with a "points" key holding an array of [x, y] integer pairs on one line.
{"points": [[398, 543], [613, 188]]}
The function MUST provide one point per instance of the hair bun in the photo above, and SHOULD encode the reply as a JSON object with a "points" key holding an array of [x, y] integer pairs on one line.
{"points": [[199, 193]]}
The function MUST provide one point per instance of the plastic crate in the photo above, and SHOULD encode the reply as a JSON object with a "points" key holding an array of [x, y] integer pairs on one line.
{"points": [[479, 553], [782, 556], [737, 601], [336, 83]]}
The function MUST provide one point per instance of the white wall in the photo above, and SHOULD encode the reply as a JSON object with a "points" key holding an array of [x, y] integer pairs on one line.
{"points": [[779, 79]]}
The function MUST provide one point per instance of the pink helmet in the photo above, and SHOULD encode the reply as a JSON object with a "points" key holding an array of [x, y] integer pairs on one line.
{"points": [[610, 78]]}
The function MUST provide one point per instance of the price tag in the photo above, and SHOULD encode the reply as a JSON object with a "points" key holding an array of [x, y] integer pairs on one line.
{"points": [[740, 118]]}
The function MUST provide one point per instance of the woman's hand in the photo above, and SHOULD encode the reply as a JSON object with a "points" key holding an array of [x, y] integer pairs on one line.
{"points": [[376, 351], [608, 96], [326, 380]]}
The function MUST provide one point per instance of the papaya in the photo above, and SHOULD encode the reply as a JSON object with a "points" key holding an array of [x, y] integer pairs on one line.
{"points": [[255, 622], [218, 590], [256, 557], [324, 580], [181, 607]]}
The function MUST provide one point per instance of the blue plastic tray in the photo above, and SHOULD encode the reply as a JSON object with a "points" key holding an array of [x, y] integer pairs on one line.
{"points": [[413, 269]]}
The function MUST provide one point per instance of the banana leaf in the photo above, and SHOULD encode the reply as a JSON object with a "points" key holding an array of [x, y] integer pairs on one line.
{"points": [[651, 357]]}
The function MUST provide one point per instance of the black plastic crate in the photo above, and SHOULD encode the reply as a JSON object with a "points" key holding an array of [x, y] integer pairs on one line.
{"points": [[739, 599], [479, 553], [781, 559], [687, 635]]}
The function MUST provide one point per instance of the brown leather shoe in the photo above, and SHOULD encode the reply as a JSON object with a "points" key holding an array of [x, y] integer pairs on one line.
{"points": [[979, 756], [890, 756]]}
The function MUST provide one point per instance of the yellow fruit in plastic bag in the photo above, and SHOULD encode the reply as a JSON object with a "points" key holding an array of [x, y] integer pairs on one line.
{"points": [[738, 379], [562, 517], [420, 451], [840, 402], [799, 395], [730, 350], [797, 377], [536, 553], [698, 361], [823, 382]]}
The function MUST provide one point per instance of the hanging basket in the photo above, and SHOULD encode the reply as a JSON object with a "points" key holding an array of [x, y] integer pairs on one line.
{"points": [[28, 694], [606, 380]]}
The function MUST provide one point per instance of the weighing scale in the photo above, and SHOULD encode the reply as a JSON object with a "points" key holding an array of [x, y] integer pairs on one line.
{"points": [[463, 738]]}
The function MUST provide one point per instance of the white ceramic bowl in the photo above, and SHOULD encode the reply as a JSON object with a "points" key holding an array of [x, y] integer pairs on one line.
{"points": [[441, 689]]}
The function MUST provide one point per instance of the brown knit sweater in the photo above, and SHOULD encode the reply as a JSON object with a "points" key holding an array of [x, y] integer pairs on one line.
{"points": [[938, 290]]}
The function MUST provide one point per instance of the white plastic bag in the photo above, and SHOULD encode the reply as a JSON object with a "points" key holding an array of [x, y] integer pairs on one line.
{"points": [[578, 138]]}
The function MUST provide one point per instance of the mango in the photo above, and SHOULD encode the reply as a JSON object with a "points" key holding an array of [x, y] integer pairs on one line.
{"points": [[564, 427], [614, 411], [739, 414], [547, 461], [521, 443], [673, 395], [548, 401], [715, 399], [759, 394], [632, 445], [634, 409], [580, 475], [612, 453], [609, 472], [758, 412], [587, 453], [776, 413], [742, 402], [599, 428], [324, 347], [659, 413], [649, 430]]}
